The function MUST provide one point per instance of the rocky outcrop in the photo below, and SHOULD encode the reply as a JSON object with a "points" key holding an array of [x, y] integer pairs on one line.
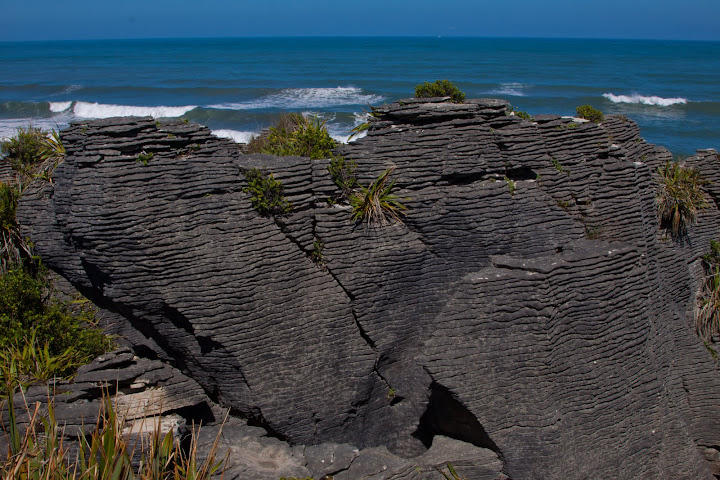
{"points": [[527, 319]]}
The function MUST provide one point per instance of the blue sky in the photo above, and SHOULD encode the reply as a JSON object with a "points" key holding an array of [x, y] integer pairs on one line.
{"points": [[84, 19]]}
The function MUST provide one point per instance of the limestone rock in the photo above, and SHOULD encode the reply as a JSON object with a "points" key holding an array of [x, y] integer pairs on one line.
{"points": [[528, 319]]}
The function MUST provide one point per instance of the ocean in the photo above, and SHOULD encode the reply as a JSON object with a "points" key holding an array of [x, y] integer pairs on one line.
{"points": [[238, 86]]}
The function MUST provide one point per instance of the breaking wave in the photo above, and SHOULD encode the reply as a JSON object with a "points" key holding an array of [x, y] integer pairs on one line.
{"points": [[235, 135], [57, 107], [297, 98], [645, 100], [99, 110]]}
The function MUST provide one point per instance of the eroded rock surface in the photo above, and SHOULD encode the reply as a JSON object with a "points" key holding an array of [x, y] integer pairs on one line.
{"points": [[529, 318]]}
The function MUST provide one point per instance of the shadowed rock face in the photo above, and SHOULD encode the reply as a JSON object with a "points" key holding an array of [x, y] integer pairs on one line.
{"points": [[544, 332]]}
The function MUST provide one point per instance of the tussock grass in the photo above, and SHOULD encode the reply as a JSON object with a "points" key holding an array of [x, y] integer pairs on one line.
{"points": [[707, 311], [376, 205], [679, 196]]}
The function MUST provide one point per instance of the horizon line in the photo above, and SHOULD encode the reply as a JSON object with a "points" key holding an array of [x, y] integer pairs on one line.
{"points": [[303, 36]]}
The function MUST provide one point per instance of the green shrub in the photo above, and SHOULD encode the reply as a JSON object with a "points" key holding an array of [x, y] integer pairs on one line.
{"points": [[519, 113], [343, 175], [707, 313], [679, 196], [31, 316], [589, 113], [375, 204], [26, 149], [33, 152], [440, 88], [294, 134], [266, 193]]}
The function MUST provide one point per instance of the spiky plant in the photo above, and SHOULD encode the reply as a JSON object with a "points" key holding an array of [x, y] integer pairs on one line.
{"points": [[679, 196], [376, 205], [707, 312]]}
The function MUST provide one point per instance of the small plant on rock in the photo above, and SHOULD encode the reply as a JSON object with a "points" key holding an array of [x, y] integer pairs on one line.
{"points": [[266, 193], [679, 196], [343, 175], [439, 88], [707, 313], [519, 113], [590, 113], [375, 205], [145, 157]]}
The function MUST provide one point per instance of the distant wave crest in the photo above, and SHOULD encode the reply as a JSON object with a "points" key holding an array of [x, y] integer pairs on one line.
{"points": [[513, 89], [645, 100], [296, 98], [99, 110]]}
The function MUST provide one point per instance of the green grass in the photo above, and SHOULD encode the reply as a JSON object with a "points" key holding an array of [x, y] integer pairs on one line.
{"points": [[266, 193], [679, 196], [707, 313], [14, 249], [588, 112], [40, 452], [439, 88], [343, 175], [294, 134], [376, 205]]}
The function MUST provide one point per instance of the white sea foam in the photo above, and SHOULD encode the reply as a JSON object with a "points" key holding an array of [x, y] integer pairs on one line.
{"points": [[58, 107], [99, 110], [645, 100], [297, 98], [515, 89], [9, 126], [235, 135]]}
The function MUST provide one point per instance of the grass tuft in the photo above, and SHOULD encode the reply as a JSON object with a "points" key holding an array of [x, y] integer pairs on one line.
{"points": [[707, 312], [376, 205], [679, 196]]}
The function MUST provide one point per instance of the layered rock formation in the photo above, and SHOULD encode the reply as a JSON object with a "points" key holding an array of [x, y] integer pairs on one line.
{"points": [[528, 319]]}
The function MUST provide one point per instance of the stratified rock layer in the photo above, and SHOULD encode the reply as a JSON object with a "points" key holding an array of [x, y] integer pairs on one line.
{"points": [[529, 317]]}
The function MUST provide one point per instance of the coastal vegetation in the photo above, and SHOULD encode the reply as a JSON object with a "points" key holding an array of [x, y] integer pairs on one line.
{"points": [[707, 313], [440, 88], [295, 134], [588, 112], [41, 334], [376, 205], [266, 193], [679, 196], [342, 172], [44, 335], [40, 452]]}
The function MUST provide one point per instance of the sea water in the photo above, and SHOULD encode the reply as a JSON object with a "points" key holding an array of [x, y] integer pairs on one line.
{"points": [[239, 86]]}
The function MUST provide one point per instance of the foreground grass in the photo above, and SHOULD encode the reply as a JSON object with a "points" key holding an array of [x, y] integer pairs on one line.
{"points": [[40, 451]]}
